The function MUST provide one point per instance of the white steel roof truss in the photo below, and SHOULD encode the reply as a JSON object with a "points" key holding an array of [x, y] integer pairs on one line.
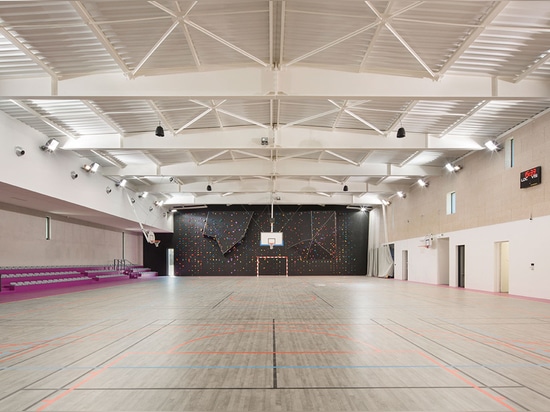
{"points": [[92, 24], [401, 39], [45, 119], [224, 42], [244, 119], [332, 43], [496, 8], [39, 62]]}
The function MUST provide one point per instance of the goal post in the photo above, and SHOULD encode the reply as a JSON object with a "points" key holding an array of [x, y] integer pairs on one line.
{"points": [[270, 257]]}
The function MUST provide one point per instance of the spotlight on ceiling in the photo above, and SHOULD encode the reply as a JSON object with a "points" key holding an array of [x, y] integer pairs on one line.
{"points": [[74, 175], [386, 202], [345, 188], [492, 146], [209, 188], [265, 141], [108, 190], [363, 209], [423, 183], [143, 195], [159, 131], [402, 194], [401, 132], [122, 183], [91, 168], [50, 145], [19, 151], [452, 168]]}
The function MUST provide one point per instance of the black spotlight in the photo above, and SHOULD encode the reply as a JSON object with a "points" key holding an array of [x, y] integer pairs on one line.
{"points": [[345, 188], [159, 131], [209, 188], [401, 132]]}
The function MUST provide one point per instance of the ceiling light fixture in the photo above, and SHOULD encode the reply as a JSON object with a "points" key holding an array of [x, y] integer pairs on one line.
{"points": [[401, 132], [91, 168], [143, 195], [492, 145], [122, 183], [402, 194], [19, 151], [50, 145], [452, 168], [423, 183], [159, 131]]}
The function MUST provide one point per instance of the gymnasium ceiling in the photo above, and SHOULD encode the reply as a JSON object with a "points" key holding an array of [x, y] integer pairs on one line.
{"points": [[294, 102]]}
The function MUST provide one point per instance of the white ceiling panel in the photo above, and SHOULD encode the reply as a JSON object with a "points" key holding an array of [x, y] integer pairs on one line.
{"points": [[263, 96]]}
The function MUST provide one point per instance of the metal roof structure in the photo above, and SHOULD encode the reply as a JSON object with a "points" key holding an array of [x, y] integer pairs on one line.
{"points": [[295, 101]]}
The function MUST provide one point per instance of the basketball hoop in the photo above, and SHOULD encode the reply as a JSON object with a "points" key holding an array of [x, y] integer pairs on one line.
{"points": [[156, 242], [271, 242]]}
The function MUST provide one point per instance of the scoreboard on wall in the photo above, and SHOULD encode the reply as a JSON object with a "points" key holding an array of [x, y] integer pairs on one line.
{"points": [[531, 177]]}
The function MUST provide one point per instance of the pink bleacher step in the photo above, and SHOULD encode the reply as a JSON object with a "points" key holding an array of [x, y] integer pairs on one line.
{"points": [[49, 283], [139, 271]]}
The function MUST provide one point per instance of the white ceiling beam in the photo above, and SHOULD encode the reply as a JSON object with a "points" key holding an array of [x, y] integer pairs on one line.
{"points": [[294, 167], [256, 185], [252, 84], [291, 142], [281, 199]]}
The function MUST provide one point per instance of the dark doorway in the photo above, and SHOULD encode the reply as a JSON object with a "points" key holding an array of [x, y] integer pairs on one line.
{"points": [[461, 251]]}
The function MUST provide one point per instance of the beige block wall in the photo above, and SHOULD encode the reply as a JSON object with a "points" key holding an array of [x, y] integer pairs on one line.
{"points": [[487, 191], [23, 242]]}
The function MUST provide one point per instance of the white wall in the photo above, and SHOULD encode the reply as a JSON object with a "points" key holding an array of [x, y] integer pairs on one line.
{"points": [[528, 244], [74, 241], [50, 174]]}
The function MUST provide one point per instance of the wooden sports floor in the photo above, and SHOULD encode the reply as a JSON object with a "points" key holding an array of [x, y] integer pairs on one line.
{"points": [[345, 343]]}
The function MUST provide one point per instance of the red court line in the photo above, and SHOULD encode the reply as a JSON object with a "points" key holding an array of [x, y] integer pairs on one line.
{"points": [[24, 352], [48, 402], [456, 374], [175, 348]]}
